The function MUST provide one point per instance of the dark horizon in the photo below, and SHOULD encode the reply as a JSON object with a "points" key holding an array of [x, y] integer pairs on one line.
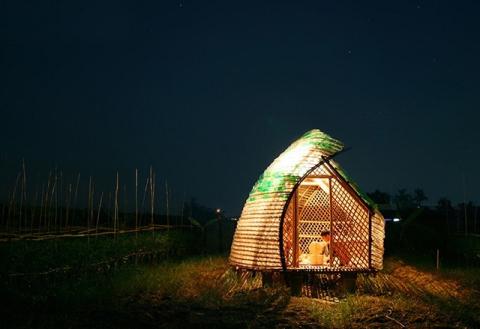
{"points": [[210, 94]]}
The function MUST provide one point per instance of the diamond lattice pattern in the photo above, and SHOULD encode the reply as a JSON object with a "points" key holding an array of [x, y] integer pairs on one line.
{"points": [[350, 228], [328, 205]]}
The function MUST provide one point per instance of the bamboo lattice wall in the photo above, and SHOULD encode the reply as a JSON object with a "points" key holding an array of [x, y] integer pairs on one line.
{"points": [[280, 213]]}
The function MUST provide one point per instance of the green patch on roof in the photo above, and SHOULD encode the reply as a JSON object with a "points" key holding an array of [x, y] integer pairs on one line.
{"points": [[322, 141], [286, 170], [290, 166], [272, 182]]}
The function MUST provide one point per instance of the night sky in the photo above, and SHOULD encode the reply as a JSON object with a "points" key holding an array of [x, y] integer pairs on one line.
{"points": [[209, 93]]}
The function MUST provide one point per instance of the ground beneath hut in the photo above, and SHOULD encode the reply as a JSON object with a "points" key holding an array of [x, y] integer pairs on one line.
{"points": [[204, 293]]}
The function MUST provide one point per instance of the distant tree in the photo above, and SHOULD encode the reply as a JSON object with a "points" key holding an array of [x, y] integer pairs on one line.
{"points": [[466, 212], [419, 197], [444, 209], [444, 206], [403, 200], [379, 197], [200, 213]]}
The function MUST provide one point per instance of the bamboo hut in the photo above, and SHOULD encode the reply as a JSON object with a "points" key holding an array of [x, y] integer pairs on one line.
{"points": [[301, 196]]}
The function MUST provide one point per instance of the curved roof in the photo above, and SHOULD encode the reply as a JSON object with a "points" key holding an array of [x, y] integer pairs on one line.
{"points": [[256, 240]]}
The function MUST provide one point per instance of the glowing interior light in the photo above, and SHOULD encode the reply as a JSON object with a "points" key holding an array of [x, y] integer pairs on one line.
{"points": [[324, 185], [322, 182], [396, 219], [290, 157]]}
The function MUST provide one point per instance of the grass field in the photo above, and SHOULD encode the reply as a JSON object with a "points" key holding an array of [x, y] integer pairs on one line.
{"points": [[174, 290]]}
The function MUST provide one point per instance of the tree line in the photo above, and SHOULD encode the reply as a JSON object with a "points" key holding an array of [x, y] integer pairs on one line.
{"points": [[451, 229]]}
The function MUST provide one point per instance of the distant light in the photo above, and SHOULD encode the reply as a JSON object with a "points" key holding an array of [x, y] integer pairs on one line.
{"points": [[396, 219], [218, 210]]}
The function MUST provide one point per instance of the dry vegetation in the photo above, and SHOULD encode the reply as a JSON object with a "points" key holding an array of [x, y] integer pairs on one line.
{"points": [[206, 293]]}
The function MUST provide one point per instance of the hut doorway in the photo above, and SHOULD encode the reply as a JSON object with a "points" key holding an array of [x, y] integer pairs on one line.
{"points": [[323, 203]]}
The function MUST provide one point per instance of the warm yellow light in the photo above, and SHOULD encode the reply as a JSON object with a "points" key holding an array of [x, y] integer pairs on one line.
{"points": [[322, 182], [290, 157]]}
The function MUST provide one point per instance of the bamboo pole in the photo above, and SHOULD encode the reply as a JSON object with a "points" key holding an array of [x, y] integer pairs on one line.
{"points": [[125, 205], [25, 191], [80, 233], [109, 208], [60, 201], [136, 205], [49, 206], [475, 220], [68, 201], [438, 259], [34, 207], [89, 206], [167, 206], [92, 209], [152, 200], [115, 219], [55, 203], [12, 203], [98, 213], [4, 218], [143, 206], [22, 197], [183, 208], [89, 198], [41, 208], [465, 205], [46, 202], [75, 199], [190, 214]]}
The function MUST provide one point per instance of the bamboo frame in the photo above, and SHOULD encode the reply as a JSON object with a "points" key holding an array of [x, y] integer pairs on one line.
{"points": [[357, 239], [295, 228], [259, 238], [330, 208]]}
